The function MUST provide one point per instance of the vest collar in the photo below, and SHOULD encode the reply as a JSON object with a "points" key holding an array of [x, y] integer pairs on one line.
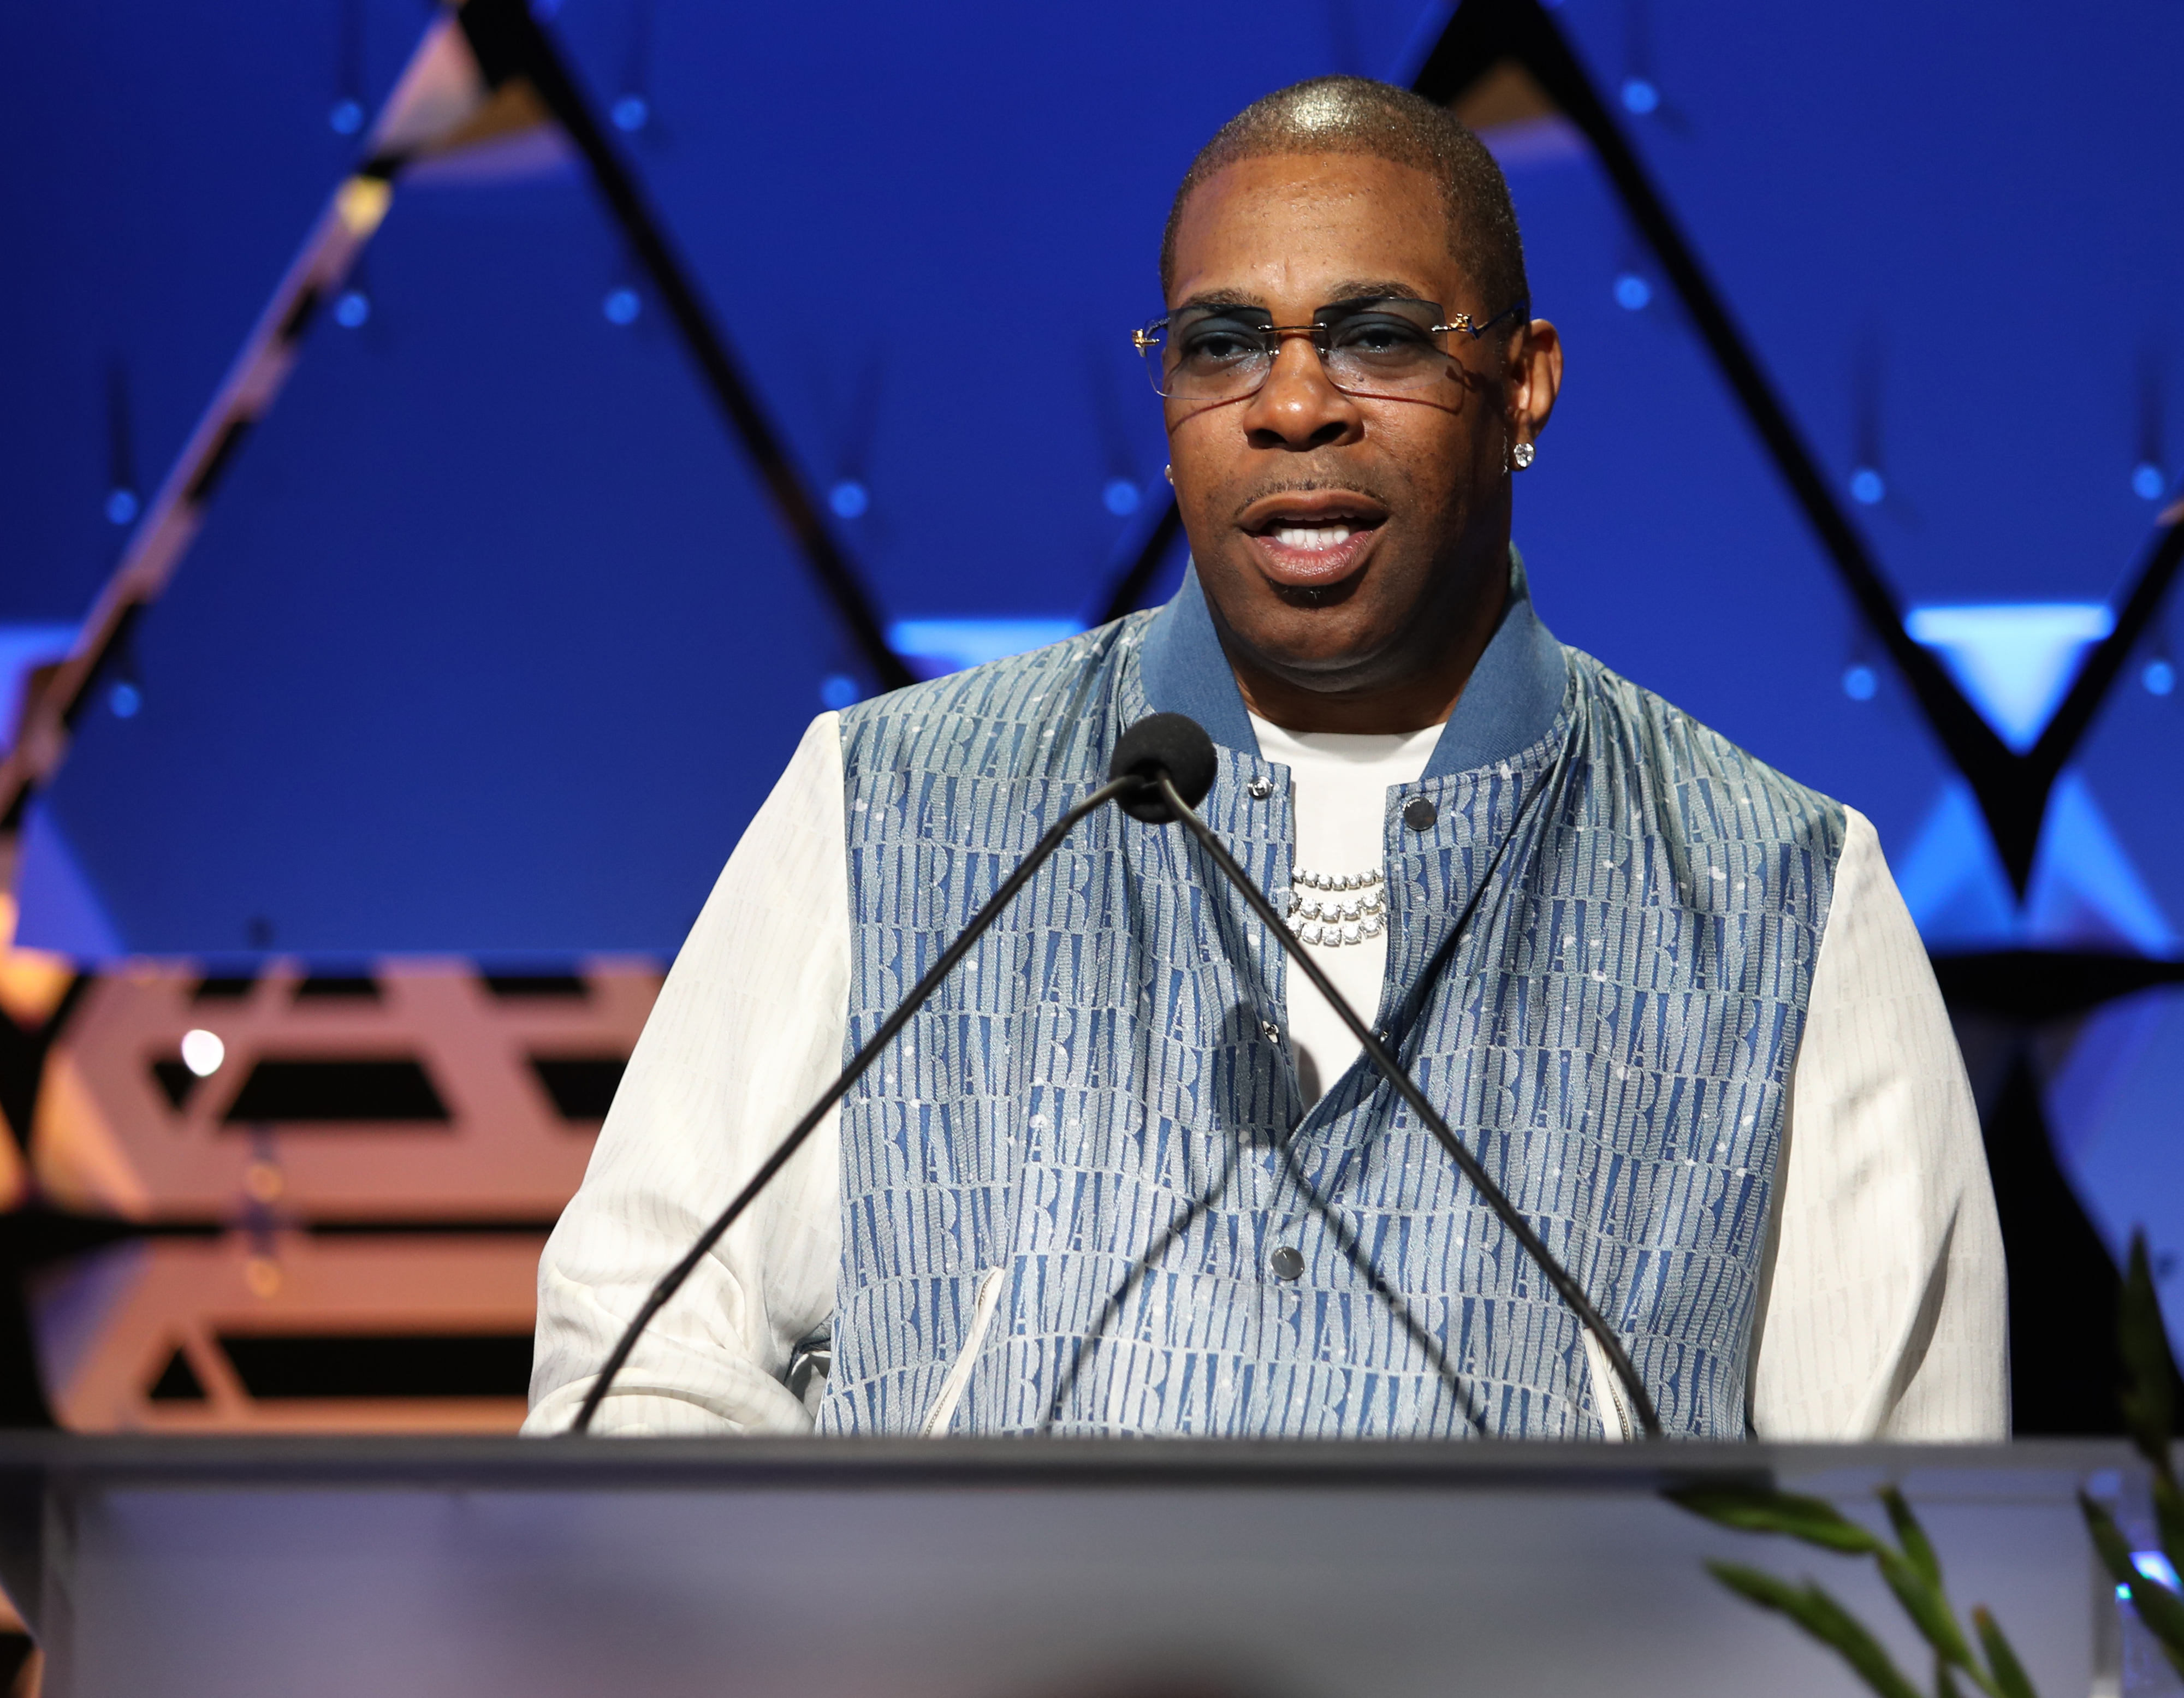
{"points": [[1515, 691]]}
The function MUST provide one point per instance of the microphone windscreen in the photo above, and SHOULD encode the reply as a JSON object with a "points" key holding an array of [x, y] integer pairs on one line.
{"points": [[1175, 743]]}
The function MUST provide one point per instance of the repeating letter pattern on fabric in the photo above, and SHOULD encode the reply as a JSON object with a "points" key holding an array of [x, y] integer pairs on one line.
{"points": [[1600, 954]]}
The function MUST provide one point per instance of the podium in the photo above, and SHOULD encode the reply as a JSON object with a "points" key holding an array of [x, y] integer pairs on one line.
{"points": [[981, 1568]]}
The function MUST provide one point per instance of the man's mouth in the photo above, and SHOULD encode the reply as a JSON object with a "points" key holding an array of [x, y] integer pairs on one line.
{"points": [[1312, 542]]}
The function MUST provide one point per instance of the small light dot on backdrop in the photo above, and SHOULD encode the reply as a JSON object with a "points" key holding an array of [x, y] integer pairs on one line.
{"points": [[346, 118], [121, 506], [2146, 481], [1859, 683], [351, 308], [202, 1052], [1639, 95], [1120, 496], [1632, 291], [838, 690], [124, 698], [2160, 677], [621, 306], [1866, 486], [631, 111], [849, 499]]}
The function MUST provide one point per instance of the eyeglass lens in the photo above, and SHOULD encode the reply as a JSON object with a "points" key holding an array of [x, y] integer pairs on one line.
{"points": [[1380, 346]]}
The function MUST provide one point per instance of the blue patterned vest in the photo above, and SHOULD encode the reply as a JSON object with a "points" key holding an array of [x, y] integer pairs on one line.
{"points": [[1062, 1187]]}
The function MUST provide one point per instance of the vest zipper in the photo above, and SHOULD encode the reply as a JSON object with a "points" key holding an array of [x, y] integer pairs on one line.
{"points": [[1607, 1390], [943, 1412]]}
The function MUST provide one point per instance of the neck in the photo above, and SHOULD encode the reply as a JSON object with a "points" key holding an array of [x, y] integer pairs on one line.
{"points": [[1420, 688]]}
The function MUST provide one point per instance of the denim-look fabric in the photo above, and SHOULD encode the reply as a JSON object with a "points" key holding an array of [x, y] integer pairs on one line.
{"points": [[1600, 958]]}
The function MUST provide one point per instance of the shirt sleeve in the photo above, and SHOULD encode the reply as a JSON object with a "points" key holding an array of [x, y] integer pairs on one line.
{"points": [[747, 1033], [1883, 1312]]}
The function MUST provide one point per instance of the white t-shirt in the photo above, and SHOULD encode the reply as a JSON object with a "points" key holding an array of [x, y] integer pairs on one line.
{"points": [[1339, 787]]}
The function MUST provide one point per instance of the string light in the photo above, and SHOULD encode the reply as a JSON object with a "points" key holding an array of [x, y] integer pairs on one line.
{"points": [[202, 1052]]}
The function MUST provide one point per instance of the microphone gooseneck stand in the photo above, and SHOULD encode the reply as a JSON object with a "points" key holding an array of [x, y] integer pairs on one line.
{"points": [[671, 1281], [1641, 1403], [1162, 767], [1168, 744]]}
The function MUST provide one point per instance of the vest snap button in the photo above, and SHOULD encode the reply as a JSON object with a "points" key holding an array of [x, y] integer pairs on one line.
{"points": [[1287, 1263], [1260, 789], [1270, 1032], [1419, 814]]}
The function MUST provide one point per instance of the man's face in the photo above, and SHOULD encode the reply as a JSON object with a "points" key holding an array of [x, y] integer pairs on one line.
{"points": [[1344, 541]]}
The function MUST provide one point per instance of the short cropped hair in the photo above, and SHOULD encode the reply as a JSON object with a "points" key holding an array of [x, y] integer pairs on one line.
{"points": [[1354, 114]]}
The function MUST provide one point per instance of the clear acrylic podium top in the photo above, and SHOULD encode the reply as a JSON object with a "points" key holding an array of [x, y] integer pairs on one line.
{"points": [[990, 1568]]}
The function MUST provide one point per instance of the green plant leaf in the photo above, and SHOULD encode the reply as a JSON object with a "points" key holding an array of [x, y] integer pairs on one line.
{"points": [[1927, 1607], [2009, 1678], [1918, 1550], [2160, 1609], [1945, 1683], [1824, 1619], [2163, 1613], [2149, 1370], [2108, 1543], [1751, 1510], [2169, 1517]]}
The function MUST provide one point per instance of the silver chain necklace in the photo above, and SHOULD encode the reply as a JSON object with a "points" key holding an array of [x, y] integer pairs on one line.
{"points": [[1359, 911]]}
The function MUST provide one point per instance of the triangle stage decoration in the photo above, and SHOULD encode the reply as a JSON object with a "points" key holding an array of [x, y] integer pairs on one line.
{"points": [[1951, 880], [2015, 661], [485, 98], [2008, 722], [2085, 893]]}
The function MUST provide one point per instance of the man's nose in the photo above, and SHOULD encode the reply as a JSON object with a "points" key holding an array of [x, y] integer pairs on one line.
{"points": [[1297, 407]]}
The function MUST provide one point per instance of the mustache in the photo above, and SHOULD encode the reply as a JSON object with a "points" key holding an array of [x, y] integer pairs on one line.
{"points": [[1313, 486]]}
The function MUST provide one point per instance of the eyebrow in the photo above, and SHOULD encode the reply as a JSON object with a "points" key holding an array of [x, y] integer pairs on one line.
{"points": [[1365, 289]]}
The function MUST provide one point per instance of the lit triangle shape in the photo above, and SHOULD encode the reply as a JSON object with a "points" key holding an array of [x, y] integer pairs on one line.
{"points": [[2014, 661], [2085, 890], [1952, 881]]}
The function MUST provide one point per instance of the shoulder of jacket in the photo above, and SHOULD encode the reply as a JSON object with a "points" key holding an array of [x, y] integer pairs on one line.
{"points": [[1000, 705], [1663, 739]]}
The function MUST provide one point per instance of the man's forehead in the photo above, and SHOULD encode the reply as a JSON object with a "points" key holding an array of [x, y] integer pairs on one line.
{"points": [[1337, 226], [1344, 289]]}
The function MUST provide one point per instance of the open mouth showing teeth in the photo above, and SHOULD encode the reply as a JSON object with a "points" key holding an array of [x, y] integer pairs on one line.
{"points": [[1313, 541], [1313, 537]]}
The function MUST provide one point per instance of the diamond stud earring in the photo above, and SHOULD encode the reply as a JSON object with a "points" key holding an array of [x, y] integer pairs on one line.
{"points": [[1168, 472], [1523, 455]]}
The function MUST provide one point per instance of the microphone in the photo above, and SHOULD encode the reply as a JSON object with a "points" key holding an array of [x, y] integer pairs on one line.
{"points": [[1175, 748], [1159, 744], [1175, 745]]}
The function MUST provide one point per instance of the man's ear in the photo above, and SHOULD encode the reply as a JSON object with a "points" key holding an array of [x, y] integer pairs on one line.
{"points": [[1535, 378]]}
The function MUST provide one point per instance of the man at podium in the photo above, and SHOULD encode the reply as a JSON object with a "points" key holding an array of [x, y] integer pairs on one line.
{"points": [[1127, 1172]]}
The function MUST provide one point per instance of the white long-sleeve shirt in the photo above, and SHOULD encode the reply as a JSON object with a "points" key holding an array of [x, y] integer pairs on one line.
{"points": [[1881, 1311]]}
